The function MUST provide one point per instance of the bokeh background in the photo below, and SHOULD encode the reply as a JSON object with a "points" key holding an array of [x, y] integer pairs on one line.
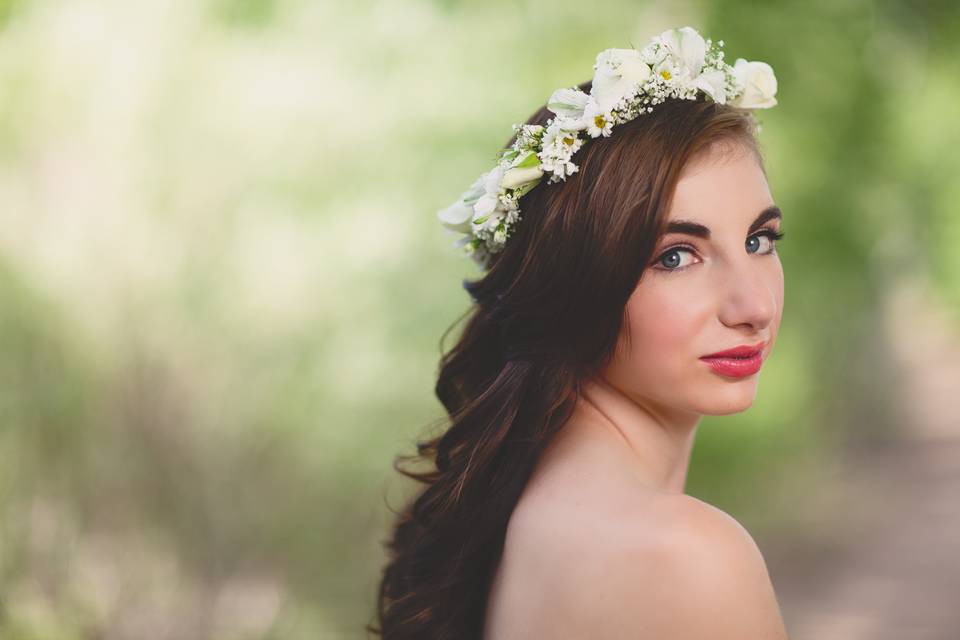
{"points": [[223, 287]]}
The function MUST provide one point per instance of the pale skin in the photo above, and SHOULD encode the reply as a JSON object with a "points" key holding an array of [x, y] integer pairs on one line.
{"points": [[604, 543]]}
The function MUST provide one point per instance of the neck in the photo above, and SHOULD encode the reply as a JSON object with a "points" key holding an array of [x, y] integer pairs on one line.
{"points": [[659, 440]]}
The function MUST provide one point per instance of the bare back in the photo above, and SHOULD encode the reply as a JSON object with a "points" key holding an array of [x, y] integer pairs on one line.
{"points": [[592, 551]]}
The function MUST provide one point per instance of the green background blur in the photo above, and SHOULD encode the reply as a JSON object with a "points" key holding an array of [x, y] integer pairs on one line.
{"points": [[223, 285]]}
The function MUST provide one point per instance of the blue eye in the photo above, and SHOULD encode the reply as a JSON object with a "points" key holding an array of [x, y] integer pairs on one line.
{"points": [[674, 263], [672, 251], [772, 234]]}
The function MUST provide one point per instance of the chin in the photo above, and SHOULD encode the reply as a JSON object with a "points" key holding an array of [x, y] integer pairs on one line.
{"points": [[734, 399]]}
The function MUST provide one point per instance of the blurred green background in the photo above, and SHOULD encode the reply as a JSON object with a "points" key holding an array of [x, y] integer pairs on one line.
{"points": [[223, 286]]}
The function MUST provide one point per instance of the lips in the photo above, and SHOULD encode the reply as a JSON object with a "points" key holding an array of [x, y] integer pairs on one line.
{"points": [[741, 351]]}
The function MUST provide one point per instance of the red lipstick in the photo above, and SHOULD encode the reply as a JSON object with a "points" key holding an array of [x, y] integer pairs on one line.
{"points": [[737, 362]]}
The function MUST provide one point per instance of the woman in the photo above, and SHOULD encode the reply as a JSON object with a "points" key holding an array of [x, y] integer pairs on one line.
{"points": [[556, 505]]}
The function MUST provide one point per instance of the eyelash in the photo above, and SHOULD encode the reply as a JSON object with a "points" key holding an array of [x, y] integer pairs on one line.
{"points": [[773, 234]]}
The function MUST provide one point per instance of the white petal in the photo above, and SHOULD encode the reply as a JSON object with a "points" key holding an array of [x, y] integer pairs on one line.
{"points": [[521, 175], [758, 82], [493, 221], [687, 46], [485, 205], [616, 73], [475, 191], [491, 180], [456, 217], [567, 102], [739, 71], [572, 124], [712, 82]]}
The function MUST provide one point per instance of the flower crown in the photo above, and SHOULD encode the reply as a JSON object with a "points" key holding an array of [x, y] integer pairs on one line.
{"points": [[627, 83]]}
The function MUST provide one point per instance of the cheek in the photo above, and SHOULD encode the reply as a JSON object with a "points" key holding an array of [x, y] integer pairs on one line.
{"points": [[777, 286], [665, 324], [660, 321]]}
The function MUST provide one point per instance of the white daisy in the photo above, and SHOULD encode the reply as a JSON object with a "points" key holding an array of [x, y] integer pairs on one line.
{"points": [[599, 121]]}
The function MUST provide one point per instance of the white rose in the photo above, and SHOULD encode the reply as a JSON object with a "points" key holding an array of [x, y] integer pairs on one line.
{"points": [[616, 73], [758, 82]]}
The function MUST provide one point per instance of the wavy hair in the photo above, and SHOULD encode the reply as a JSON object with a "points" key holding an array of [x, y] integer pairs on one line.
{"points": [[545, 316]]}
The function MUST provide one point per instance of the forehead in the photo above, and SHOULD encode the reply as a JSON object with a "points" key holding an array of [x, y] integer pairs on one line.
{"points": [[721, 184]]}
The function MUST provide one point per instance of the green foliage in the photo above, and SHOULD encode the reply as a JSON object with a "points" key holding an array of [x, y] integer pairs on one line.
{"points": [[249, 13]]}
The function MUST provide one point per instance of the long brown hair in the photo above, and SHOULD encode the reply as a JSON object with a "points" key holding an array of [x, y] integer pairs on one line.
{"points": [[545, 317]]}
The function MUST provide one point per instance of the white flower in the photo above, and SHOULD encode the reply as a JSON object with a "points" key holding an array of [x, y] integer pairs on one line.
{"points": [[487, 203], [551, 133], [562, 131], [516, 176], [617, 72], [571, 124], [670, 69], [559, 144], [524, 169], [758, 82], [568, 103], [456, 217], [679, 56], [599, 121], [492, 222], [713, 83], [686, 52], [654, 52]]}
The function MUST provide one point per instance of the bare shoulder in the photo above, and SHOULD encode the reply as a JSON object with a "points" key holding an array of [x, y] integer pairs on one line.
{"points": [[675, 567], [710, 567]]}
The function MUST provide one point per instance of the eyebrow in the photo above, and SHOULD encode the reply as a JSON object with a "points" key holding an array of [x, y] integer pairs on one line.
{"points": [[698, 230]]}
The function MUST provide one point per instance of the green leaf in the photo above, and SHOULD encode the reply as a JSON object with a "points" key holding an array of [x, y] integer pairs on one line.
{"points": [[530, 161]]}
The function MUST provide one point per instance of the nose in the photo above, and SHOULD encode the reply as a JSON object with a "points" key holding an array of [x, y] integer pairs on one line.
{"points": [[749, 296]]}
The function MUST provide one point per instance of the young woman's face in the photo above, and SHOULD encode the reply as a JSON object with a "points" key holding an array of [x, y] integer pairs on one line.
{"points": [[705, 293]]}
